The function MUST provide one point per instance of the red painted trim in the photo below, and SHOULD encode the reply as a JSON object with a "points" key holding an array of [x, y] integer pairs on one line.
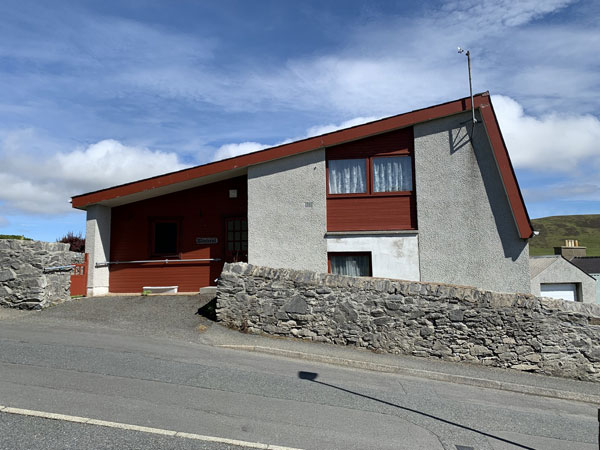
{"points": [[293, 148], [507, 171], [482, 102]]}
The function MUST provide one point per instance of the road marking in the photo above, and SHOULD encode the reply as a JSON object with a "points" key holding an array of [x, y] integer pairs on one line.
{"points": [[129, 427]]}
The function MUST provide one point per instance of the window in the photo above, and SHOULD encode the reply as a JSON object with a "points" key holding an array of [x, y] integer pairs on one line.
{"points": [[352, 264], [370, 176], [237, 234], [165, 237], [347, 176], [392, 174]]}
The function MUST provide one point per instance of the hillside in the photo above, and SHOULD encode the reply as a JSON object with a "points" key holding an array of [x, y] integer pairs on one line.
{"points": [[555, 229]]}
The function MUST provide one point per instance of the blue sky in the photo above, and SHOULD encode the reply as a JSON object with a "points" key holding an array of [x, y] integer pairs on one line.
{"points": [[100, 93]]}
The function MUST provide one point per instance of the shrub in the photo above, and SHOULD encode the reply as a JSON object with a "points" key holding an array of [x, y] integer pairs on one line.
{"points": [[76, 241]]}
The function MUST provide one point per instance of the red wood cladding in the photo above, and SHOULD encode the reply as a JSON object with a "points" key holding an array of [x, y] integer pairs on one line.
{"points": [[373, 211], [398, 142], [201, 211]]}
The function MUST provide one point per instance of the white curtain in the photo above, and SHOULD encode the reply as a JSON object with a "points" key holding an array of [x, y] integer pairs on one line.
{"points": [[392, 174], [347, 176], [352, 265]]}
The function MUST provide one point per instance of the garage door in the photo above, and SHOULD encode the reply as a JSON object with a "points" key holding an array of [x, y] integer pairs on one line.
{"points": [[565, 291]]}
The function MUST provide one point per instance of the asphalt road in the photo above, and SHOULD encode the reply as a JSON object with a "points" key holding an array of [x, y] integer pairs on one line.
{"points": [[146, 362]]}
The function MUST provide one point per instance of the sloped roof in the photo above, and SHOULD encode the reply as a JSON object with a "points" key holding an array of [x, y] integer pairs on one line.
{"points": [[537, 264], [589, 264], [227, 168]]}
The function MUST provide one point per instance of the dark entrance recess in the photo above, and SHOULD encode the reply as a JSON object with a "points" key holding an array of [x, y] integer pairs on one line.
{"points": [[236, 245]]}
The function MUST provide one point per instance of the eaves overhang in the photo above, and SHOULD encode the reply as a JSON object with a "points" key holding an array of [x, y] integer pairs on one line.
{"points": [[236, 166]]}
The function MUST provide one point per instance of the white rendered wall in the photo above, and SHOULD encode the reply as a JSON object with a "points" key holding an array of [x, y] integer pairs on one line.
{"points": [[467, 234], [287, 217], [392, 256], [97, 245]]}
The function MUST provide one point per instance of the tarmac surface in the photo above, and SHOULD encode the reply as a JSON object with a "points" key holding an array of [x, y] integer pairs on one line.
{"points": [[178, 317]]}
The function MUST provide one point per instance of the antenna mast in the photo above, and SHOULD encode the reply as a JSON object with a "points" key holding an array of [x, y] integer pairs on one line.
{"points": [[468, 53]]}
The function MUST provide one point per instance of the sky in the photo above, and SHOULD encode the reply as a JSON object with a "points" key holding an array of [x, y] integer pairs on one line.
{"points": [[99, 93]]}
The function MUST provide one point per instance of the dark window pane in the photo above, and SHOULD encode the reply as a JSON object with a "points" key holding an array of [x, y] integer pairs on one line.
{"points": [[165, 238], [230, 245], [357, 265]]}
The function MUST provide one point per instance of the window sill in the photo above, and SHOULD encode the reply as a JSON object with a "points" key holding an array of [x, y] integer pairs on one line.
{"points": [[374, 194], [371, 233]]}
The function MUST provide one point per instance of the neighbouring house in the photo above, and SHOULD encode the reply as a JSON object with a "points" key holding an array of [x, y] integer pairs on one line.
{"points": [[556, 277], [425, 196], [591, 266], [576, 254]]}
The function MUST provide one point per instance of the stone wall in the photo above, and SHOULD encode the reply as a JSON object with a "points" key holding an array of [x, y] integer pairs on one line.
{"points": [[450, 322], [24, 283]]}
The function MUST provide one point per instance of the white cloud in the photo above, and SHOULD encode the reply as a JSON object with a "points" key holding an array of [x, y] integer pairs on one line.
{"points": [[552, 142], [322, 129], [42, 184], [231, 150]]}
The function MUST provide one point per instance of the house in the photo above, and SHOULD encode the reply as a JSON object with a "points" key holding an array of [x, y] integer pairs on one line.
{"points": [[591, 266], [576, 254], [556, 277], [426, 195]]}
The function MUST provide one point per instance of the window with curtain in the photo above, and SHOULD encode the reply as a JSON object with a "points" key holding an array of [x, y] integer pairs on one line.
{"points": [[351, 264], [392, 174], [347, 176]]}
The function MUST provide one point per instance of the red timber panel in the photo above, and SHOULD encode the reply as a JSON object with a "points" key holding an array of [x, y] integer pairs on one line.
{"points": [[392, 143], [371, 213], [200, 211]]}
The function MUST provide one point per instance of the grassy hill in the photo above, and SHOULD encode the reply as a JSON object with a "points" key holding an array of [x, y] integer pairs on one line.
{"points": [[554, 230]]}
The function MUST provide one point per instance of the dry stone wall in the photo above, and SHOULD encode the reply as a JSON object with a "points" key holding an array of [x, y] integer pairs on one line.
{"points": [[450, 322], [24, 283]]}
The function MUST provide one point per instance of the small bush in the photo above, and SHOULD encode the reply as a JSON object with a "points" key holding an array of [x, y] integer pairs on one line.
{"points": [[76, 241]]}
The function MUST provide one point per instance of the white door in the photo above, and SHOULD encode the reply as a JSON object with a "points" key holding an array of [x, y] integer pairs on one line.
{"points": [[564, 291]]}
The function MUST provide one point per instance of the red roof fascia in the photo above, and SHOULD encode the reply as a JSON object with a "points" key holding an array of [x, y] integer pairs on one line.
{"points": [[507, 172], [482, 101], [313, 143]]}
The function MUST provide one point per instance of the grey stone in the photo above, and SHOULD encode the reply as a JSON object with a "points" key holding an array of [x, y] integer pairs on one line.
{"points": [[449, 322], [7, 275], [296, 305]]}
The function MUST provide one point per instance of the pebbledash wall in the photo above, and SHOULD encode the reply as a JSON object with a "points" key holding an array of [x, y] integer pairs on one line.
{"points": [[454, 323], [24, 283]]}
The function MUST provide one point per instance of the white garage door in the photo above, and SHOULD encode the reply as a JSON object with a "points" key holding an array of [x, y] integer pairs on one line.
{"points": [[565, 291]]}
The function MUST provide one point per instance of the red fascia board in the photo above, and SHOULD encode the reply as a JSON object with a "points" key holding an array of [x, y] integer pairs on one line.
{"points": [[507, 172], [335, 138]]}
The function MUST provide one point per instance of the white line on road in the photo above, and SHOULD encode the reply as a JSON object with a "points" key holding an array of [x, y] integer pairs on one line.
{"points": [[125, 426]]}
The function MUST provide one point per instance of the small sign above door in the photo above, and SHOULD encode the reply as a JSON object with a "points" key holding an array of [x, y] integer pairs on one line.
{"points": [[206, 240]]}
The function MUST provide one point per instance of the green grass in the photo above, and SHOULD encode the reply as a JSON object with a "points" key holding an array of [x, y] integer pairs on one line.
{"points": [[554, 230], [15, 236]]}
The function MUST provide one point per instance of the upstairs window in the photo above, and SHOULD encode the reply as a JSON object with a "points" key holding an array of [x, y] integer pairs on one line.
{"points": [[347, 176], [392, 174], [370, 176]]}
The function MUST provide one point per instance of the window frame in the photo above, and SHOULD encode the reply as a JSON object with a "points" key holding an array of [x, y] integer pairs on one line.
{"points": [[358, 253], [153, 221], [370, 192]]}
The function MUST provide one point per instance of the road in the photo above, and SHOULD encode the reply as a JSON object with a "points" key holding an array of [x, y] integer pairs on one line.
{"points": [[114, 370]]}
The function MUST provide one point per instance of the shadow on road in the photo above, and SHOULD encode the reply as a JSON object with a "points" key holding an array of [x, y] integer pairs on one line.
{"points": [[312, 376]]}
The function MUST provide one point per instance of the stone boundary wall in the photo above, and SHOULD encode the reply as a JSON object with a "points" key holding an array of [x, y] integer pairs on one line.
{"points": [[454, 323], [23, 282]]}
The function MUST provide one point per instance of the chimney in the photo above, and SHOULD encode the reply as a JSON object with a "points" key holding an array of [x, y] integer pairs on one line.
{"points": [[570, 250]]}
